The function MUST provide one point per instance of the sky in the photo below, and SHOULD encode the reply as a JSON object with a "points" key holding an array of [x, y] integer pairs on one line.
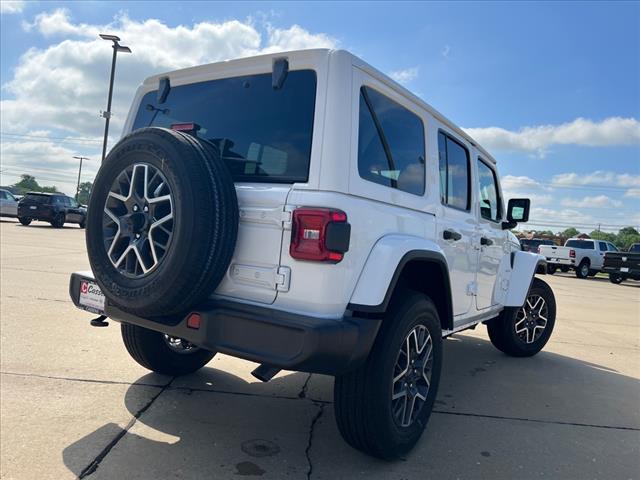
{"points": [[551, 89]]}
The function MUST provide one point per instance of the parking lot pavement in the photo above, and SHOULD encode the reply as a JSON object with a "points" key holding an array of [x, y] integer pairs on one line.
{"points": [[73, 404]]}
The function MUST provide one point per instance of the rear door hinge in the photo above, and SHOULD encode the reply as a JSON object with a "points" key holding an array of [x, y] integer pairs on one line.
{"points": [[287, 215], [283, 279]]}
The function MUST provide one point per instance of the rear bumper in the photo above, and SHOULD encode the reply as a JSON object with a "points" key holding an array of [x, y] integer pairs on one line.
{"points": [[264, 335], [561, 261], [629, 273], [44, 214]]}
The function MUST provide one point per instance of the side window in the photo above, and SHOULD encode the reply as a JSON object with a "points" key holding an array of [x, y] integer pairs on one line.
{"points": [[3, 196], [488, 189], [455, 185], [72, 202], [390, 144], [603, 246]]}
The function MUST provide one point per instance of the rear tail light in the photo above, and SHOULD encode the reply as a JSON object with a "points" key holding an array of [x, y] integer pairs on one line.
{"points": [[572, 253], [319, 234]]}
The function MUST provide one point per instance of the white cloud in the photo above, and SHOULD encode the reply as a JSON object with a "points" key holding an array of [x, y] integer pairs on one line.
{"points": [[598, 177], [446, 51], [12, 6], [525, 187], [609, 132], [598, 201], [632, 193], [404, 76], [62, 88]]}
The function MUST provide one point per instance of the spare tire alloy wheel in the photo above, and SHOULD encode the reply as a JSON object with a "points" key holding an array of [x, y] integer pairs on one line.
{"points": [[531, 319], [412, 376], [138, 220]]}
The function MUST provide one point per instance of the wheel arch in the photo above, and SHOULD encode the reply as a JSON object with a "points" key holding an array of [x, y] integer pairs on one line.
{"points": [[397, 263]]}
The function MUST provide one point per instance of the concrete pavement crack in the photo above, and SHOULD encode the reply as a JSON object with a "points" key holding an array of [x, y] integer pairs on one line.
{"points": [[303, 391], [307, 451], [95, 463]]}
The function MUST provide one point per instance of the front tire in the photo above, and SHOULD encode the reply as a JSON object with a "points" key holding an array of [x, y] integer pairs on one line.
{"points": [[582, 270], [383, 407], [524, 331], [161, 353], [24, 221]]}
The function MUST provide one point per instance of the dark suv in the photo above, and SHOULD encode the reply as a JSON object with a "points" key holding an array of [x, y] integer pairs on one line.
{"points": [[54, 208]]}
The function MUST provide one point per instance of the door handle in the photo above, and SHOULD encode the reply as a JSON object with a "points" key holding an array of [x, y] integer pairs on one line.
{"points": [[451, 235], [486, 241]]}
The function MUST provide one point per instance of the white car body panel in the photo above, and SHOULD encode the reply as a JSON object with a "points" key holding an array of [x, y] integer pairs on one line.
{"points": [[522, 272], [385, 223]]}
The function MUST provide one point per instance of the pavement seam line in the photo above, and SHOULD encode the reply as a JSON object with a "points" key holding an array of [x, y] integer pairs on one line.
{"points": [[307, 451], [95, 463], [534, 420], [87, 380]]}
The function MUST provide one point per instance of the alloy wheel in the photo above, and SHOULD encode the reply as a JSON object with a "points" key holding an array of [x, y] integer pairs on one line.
{"points": [[531, 319], [138, 220], [412, 376]]}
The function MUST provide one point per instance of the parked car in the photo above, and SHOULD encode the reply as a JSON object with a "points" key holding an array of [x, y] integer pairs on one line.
{"points": [[54, 208], [623, 265], [307, 229], [533, 244], [584, 256], [8, 204]]}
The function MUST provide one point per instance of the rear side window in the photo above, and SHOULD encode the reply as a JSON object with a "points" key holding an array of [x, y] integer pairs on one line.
{"points": [[584, 244], [35, 198], [603, 246], [455, 187], [264, 134], [390, 143]]}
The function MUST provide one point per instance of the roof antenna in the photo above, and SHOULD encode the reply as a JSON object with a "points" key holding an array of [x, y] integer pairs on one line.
{"points": [[279, 73], [163, 89]]}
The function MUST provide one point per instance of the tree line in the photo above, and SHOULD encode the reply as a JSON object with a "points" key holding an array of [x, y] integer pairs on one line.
{"points": [[625, 237]]}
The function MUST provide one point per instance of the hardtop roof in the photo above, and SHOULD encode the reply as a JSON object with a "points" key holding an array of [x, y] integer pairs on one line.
{"points": [[358, 62]]}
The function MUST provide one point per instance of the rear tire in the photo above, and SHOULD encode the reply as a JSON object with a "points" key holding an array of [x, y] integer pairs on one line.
{"points": [[524, 331], [551, 269], [616, 278], [154, 351], [58, 220], [24, 221], [368, 416], [582, 270]]}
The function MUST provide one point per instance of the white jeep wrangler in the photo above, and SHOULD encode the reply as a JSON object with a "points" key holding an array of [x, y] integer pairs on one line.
{"points": [[305, 212]]}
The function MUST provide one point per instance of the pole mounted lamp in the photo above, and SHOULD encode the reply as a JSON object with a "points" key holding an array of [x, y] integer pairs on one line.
{"points": [[107, 114], [79, 173]]}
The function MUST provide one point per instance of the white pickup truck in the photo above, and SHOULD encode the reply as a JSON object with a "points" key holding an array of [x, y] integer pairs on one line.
{"points": [[585, 256]]}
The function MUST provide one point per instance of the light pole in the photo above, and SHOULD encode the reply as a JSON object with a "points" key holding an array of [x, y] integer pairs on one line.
{"points": [[107, 114], [79, 172]]}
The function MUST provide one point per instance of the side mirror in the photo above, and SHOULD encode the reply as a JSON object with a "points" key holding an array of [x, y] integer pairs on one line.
{"points": [[517, 212]]}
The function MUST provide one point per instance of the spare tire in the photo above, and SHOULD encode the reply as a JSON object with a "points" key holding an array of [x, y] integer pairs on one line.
{"points": [[162, 222]]}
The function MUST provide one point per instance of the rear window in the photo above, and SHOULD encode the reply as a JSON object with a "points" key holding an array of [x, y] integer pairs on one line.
{"points": [[264, 134], [35, 198], [584, 244]]}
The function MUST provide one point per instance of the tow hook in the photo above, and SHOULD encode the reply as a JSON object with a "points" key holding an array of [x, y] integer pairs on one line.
{"points": [[265, 372], [100, 321]]}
